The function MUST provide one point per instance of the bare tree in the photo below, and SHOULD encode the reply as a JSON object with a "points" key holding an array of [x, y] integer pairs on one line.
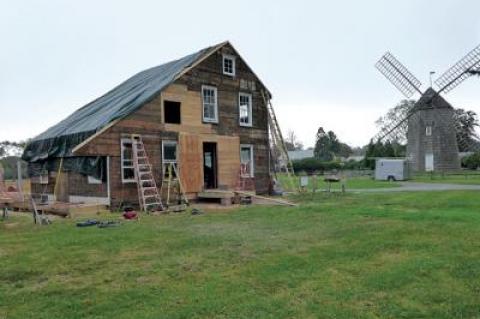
{"points": [[292, 143]]}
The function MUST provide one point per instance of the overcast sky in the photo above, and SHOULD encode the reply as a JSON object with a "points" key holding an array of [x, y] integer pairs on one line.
{"points": [[316, 57]]}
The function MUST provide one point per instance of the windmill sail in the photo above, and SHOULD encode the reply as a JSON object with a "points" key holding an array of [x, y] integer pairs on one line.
{"points": [[398, 75], [462, 70]]}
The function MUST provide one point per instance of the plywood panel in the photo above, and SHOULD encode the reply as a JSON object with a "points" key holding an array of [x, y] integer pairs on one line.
{"points": [[228, 150], [191, 162]]}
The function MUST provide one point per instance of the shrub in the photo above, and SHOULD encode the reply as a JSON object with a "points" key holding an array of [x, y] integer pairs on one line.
{"points": [[471, 161], [312, 165]]}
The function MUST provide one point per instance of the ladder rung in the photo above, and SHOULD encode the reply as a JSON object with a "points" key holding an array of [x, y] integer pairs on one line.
{"points": [[150, 196], [152, 204], [148, 188]]}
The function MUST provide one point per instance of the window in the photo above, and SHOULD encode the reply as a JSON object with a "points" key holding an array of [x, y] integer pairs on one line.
{"points": [[246, 160], [209, 96], [171, 112], [169, 156], [229, 65], [93, 180], [128, 172], [428, 131], [169, 151], [43, 178], [245, 109]]}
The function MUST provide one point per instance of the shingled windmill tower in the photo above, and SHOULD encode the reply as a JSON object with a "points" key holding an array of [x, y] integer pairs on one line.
{"points": [[432, 143]]}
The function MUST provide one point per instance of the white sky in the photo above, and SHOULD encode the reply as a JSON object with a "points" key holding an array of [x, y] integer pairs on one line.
{"points": [[316, 57]]}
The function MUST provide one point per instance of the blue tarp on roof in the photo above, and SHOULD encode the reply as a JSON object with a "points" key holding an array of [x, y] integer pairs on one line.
{"points": [[126, 98]]}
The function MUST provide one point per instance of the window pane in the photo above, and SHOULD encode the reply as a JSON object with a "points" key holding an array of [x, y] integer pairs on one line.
{"points": [[170, 152], [209, 103], [127, 151], [245, 155], [128, 173]]}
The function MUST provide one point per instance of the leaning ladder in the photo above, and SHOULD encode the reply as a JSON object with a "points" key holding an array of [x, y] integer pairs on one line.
{"points": [[148, 196], [279, 150], [172, 184]]}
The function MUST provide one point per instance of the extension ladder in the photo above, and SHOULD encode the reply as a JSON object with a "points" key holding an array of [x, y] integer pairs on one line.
{"points": [[278, 148], [172, 185], [148, 196]]}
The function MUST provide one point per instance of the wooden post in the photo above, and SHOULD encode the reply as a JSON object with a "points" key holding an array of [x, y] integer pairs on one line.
{"points": [[19, 178]]}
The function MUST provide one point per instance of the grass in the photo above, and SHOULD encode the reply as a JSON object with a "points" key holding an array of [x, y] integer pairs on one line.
{"points": [[405, 255], [359, 182], [467, 178]]}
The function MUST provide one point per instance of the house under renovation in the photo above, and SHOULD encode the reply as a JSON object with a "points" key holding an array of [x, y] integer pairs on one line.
{"points": [[206, 113]]}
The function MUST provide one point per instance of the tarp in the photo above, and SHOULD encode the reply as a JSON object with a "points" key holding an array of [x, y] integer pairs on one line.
{"points": [[123, 100]]}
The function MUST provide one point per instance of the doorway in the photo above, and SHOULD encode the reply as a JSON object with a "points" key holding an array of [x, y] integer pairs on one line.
{"points": [[429, 162], [209, 165]]}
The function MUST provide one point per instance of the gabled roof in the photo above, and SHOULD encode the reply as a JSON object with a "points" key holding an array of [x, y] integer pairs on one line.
{"points": [[431, 98], [123, 100]]}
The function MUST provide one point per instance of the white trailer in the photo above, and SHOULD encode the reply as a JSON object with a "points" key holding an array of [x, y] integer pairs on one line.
{"points": [[389, 169]]}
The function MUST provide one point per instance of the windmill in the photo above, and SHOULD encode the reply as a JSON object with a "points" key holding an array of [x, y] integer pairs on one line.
{"points": [[432, 142]]}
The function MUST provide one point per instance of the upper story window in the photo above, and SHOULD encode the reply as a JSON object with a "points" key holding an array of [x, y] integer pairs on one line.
{"points": [[428, 131], [229, 65], [245, 109], [128, 171], [171, 112], [209, 97]]}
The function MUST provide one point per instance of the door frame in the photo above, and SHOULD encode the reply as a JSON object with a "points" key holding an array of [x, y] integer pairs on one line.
{"points": [[214, 151]]}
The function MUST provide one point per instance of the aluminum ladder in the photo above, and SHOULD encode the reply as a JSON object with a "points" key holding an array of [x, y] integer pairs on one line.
{"points": [[148, 195]]}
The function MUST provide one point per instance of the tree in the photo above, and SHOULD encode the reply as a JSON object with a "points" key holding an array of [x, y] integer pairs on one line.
{"points": [[292, 143], [322, 149], [393, 117], [328, 146], [466, 122], [8, 148]]}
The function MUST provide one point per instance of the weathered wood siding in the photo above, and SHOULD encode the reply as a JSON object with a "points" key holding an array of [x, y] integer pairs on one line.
{"points": [[192, 132]]}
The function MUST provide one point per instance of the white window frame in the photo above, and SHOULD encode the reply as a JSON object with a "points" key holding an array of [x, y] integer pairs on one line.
{"points": [[169, 142], [231, 58], [94, 181], [122, 164], [252, 166], [250, 108], [43, 178], [428, 130], [210, 120]]}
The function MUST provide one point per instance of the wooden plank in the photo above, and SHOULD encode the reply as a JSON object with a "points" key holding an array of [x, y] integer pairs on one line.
{"points": [[273, 200], [191, 162]]}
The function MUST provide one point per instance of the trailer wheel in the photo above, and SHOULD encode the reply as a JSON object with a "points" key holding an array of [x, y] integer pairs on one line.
{"points": [[391, 178]]}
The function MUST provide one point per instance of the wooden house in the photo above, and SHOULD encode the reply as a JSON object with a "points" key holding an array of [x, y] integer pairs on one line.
{"points": [[206, 112]]}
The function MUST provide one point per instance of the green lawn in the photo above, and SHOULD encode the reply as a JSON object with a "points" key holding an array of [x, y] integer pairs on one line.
{"points": [[406, 255], [466, 178], [360, 182]]}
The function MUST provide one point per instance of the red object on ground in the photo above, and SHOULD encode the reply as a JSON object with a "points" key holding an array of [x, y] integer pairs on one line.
{"points": [[130, 215]]}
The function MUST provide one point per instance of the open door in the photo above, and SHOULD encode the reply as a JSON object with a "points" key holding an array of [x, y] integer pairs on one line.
{"points": [[209, 165]]}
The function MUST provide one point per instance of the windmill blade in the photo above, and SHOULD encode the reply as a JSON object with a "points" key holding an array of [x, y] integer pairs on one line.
{"points": [[390, 131], [398, 75], [462, 70]]}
